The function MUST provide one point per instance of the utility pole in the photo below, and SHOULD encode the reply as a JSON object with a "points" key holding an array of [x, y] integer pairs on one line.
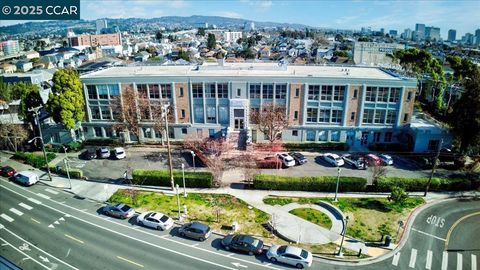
{"points": [[435, 161], [338, 182], [35, 112], [65, 161], [165, 113], [343, 237]]}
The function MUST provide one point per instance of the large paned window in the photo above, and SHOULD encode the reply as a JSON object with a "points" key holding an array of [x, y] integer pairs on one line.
{"points": [[394, 95], [222, 90], [391, 116], [255, 90], [95, 112], [210, 90], [114, 90], [312, 115], [199, 117], [327, 91], [324, 116], [142, 90], [371, 93], [311, 135], [313, 92], [339, 93], [166, 90], [322, 136], [268, 91], [379, 116], [211, 115], [92, 92], [102, 91], [368, 116], [280, 91], [105, 113], [197, 90], [382, 94], [337, 116], [154, 91], [223, 115], [335, 136]]}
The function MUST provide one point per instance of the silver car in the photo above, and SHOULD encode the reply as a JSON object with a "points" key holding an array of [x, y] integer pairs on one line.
{"points": [[295, 256], [119, 210], [103, 152]]}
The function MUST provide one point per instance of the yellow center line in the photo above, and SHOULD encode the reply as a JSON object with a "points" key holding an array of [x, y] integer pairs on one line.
{"points": [[127, 260], [73, 238], [455, 225], [35, 220]]}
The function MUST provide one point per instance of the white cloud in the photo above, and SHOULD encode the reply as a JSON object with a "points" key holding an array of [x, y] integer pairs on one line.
{"points": [[261, 5], [229, 14]]}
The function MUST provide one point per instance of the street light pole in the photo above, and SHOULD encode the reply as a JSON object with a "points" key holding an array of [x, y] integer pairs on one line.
{"points": [[183, 176], [178, 203], [343, 236], [433, 168], [35, 112], [65, 161], [338, 181], [165, 112]]}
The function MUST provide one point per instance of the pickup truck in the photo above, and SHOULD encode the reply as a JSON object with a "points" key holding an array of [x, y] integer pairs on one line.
{"points": [[356, 161]]}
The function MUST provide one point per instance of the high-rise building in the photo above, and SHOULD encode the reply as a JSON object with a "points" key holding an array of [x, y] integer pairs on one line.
{"points": [[452, 35], [393, 33], [420, 29], [477, 36], [100, 24], [10, 47], [432, 33], [249, 26], [407, 34]]}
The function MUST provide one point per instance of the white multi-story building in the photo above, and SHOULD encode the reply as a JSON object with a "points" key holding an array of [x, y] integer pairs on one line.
{"points": [[372, 53], [231, 36]]}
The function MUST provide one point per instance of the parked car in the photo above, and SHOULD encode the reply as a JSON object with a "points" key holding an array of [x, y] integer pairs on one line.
{"points": [[87, 155], [27, 178], [299, 158], [373, 160], [118, 153], [295, 256], [356, 161], [155, 220], [243, 243], [119, 210], [333, 159], [7, 171], [386, 159], [195, 230], [103, 152], [286, 159]]}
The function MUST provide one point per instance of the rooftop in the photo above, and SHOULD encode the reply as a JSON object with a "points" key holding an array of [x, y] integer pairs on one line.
{"points": [[246, 69]]}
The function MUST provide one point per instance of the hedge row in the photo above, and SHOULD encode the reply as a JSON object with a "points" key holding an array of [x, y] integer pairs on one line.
{"points": [[418, 184], [309, 183], [35, 160], [74, 172], [316, 147], [162, 178]]}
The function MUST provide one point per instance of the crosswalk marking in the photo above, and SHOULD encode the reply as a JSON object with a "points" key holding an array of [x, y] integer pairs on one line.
{"points": [[34, 201], [459, 261], [6, 217], [396, 257], [413, 258], [51, 191], [444, 260], [26, 206], [16, 212], [474, 262], [43, 196], [428, 264]]}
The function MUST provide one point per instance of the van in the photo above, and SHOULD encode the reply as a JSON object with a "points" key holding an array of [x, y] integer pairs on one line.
{"points": [[27, 178]]}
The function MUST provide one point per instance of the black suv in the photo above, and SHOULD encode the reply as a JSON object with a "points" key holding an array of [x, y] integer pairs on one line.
{"points": [[87, 155]]}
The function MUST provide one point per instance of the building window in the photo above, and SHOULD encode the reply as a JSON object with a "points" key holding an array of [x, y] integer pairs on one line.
{"points": [[267, 91], [371, 93], [391, 117], [98, 131], [394, 95], [327, 91], [210, 90], [145, 113], [222, 90], [197, 90], [114, 90], [211, 116], [95, 112], [295, 133], [382, 95], [280, 91], [379, 116], [92, 92], [154, 91], [223, 115], [405, 117], [211, 133], [105, 113], [352, 116], [368, 116], [199, 117], [337, 116], [295, 115], [102, 91], [335, 136], [322, 136], [409, 96], [182, 113], [376, 136], [147, 132], [239, 92], [310, 135], [255, 89], [339, 93], [109, 133], [313, 92], [324, 116], [181, 92], [312, 115], [388, 137], [142, 90], [297, 92], [184, 130], [433, 145], [355, 93], [166, 90]]}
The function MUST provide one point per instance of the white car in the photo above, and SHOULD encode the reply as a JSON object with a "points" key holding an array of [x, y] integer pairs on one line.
{"points": [[387, 159], [103, 152], [295, 256], [155, 220], [287, 160], [27, 178], [334, 159], [118, 153]]}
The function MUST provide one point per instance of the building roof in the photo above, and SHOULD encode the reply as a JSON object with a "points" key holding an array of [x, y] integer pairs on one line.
{"points": [[247, 69]]}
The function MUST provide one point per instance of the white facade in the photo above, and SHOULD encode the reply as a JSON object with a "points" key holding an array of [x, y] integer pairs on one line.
{"points": [[100, 24], [232, 36], [372, 53]]}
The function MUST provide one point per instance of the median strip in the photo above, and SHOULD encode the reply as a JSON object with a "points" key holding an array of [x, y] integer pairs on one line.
{"points": [[73, 238], [132, 262]]}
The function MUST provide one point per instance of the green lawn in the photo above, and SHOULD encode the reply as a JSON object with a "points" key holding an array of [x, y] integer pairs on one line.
{"points": [[314, 216]]}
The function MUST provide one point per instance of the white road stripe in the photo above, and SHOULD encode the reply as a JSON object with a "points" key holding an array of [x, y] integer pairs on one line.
{"points": [[474, 262], [459, 261], [26, 206], [431, 235], [396, 257], [23, 253], [16, 212], [428, 264], [51, 191], [7, 218], [444, 260], [34, 201], [413, 258], [43, 196], [1, 226]]}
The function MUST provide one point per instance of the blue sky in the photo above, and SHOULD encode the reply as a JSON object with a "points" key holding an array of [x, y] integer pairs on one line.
{"points": [[464, 16]]}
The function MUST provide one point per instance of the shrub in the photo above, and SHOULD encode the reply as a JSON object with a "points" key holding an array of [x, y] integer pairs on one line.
{"points": [[386, 183], [398, 195], [74, 172], [35, 160], [75, 146], [269, 163], [162, 178], [309, 183], [316, 147]]}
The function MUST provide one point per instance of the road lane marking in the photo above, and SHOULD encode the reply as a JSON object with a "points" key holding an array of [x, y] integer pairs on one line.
{"points": [[444, 260], [1, 226], [43, 196], [431, 235], [16, 212], [35, 220], [132, 262], [24, 254], [413, 258], [7, 218], [474, 262], [231, 254], [455, 225], [34, 201], [428, 264], [51, 226], [51, 191], [26, 206], [459, 261], [75, 239]]}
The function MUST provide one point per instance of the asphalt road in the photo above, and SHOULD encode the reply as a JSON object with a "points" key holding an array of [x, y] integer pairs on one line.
{"points": [[47, 228]]}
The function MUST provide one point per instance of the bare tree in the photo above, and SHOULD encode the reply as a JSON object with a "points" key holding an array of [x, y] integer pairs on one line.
{"points": [[216, 151], [271, 120], [158, 119], [249, 167], [12, 135], [377, 171]]}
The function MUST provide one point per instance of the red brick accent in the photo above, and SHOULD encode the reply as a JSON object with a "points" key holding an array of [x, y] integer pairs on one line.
{"points": [[353, 104], [296, 103], [182, 102], [407, 106]]}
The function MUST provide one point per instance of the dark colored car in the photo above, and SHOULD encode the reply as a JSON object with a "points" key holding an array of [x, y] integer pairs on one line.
{"points": [[7, 171], [299, 158], [243, 243], [87, 155], [195, 230]]}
